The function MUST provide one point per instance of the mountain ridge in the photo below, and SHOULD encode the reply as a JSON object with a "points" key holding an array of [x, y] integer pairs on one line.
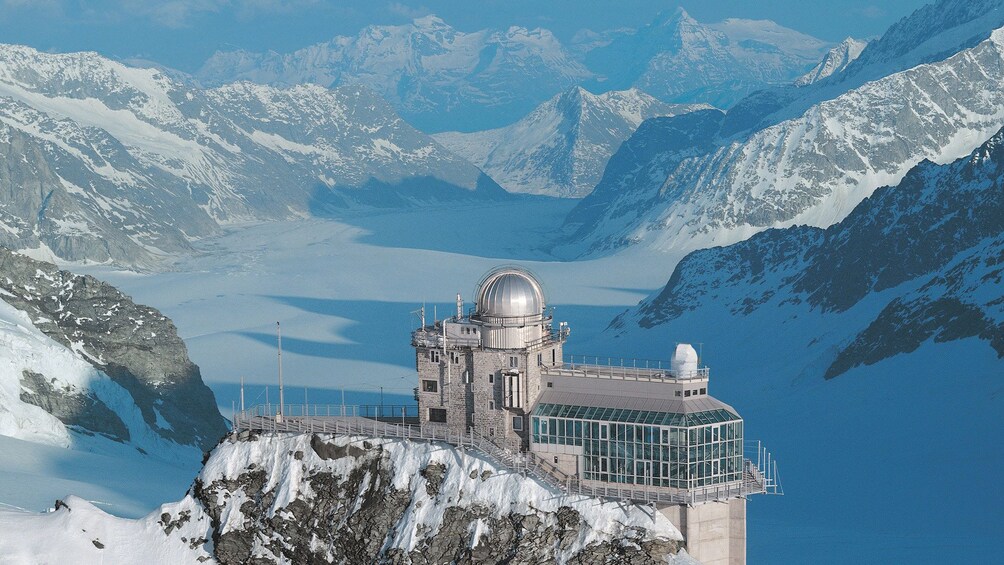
{"points": [[561, 147]]}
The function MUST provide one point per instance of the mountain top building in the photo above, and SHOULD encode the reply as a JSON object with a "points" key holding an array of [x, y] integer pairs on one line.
{"points": [[499, 371]]}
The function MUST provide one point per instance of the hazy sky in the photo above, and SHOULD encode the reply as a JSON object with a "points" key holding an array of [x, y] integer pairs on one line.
{"points": [[183, 33]]}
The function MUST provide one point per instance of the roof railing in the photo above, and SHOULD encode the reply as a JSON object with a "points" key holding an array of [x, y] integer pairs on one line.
{"points": [[626, 369]]}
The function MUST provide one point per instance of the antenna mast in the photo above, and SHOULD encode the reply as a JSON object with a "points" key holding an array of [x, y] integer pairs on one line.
{"points": [[278, 333]]}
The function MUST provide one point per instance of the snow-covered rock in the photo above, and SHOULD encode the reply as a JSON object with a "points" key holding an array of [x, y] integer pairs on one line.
{"points": [[315, 498], [76, 531], [96, 363], [835, 61], [812, 169], [323, 499], [561, 148], [122, 164], [437, 77]]}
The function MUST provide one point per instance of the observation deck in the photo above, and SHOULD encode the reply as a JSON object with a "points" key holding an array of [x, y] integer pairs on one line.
{"points": [[625, 370]]}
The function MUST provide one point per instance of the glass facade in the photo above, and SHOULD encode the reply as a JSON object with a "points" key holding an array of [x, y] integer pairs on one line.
{"points": [[646, 448]]}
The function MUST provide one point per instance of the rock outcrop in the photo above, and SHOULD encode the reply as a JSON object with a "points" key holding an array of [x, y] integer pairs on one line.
{"points": [[135, 345], [324, 499]]}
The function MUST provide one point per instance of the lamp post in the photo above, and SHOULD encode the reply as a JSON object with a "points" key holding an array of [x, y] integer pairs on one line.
{"points": [[278, 332]]}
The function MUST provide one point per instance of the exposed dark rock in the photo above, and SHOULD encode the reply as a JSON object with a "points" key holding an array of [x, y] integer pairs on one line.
{"points": [[434, 474]]}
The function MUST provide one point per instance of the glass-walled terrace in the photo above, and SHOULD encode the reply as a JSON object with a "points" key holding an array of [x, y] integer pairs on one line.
{"points": [[646, 448]]}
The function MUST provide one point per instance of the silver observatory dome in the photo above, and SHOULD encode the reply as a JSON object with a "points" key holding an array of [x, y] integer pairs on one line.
{"points": [[510, 292]]}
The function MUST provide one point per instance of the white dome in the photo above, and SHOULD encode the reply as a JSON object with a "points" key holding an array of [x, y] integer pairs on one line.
{"points": [[510, 293], [684, 361]]}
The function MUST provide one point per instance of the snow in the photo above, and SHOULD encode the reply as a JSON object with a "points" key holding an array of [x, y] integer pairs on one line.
{"points": [[82, 533]]}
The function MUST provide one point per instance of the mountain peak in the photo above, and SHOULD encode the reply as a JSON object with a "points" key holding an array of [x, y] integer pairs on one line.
{"points": [[672, 18], [430, 21]]}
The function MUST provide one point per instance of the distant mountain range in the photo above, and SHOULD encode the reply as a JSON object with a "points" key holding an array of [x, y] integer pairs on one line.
{"points": [[562, 147], [442, 79], [113, 163], [675, 58], [735, 176]]}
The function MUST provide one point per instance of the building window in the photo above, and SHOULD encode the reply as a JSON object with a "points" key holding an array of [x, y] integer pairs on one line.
{"points": [[678, 393], [454, 357], [517, 423], [434, 355], [437, 415], [513, 361], [704, 391], [554, 360], [540, 359], [491, 404], [686, 393], [555, 458], [491, 378], [430, 386], [550, 384]]}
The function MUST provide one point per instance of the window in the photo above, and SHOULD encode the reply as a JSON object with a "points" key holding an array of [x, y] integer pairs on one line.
{"points": [[679, 393], [540, 359], [437, 415], [491, 404], [517, 423], [550, 384], [430, 386], [454, 357], [513, 361], [704, 391], [554, 354], [434, 355], [686, 393], [491, 378], [555, 458]]}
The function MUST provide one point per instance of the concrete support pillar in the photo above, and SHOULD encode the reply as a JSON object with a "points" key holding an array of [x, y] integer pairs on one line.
{"points": [[714, 532]]}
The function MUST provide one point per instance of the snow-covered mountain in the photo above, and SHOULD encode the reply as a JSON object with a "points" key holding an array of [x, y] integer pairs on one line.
{"points": [[112, 163], [676, 58], [442, 79], [918, 261], [812, 169], [835, 61], [561, 148], [80, 359], [323, 499], [436, 76]]}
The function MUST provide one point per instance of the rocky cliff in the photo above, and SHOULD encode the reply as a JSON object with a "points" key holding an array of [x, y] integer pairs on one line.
{"points": [[325, 499], [136, 346]]}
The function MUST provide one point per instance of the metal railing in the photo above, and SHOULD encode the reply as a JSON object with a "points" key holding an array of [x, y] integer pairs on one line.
{"points": [[409, 412], [759, 476], [622, 369]]}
